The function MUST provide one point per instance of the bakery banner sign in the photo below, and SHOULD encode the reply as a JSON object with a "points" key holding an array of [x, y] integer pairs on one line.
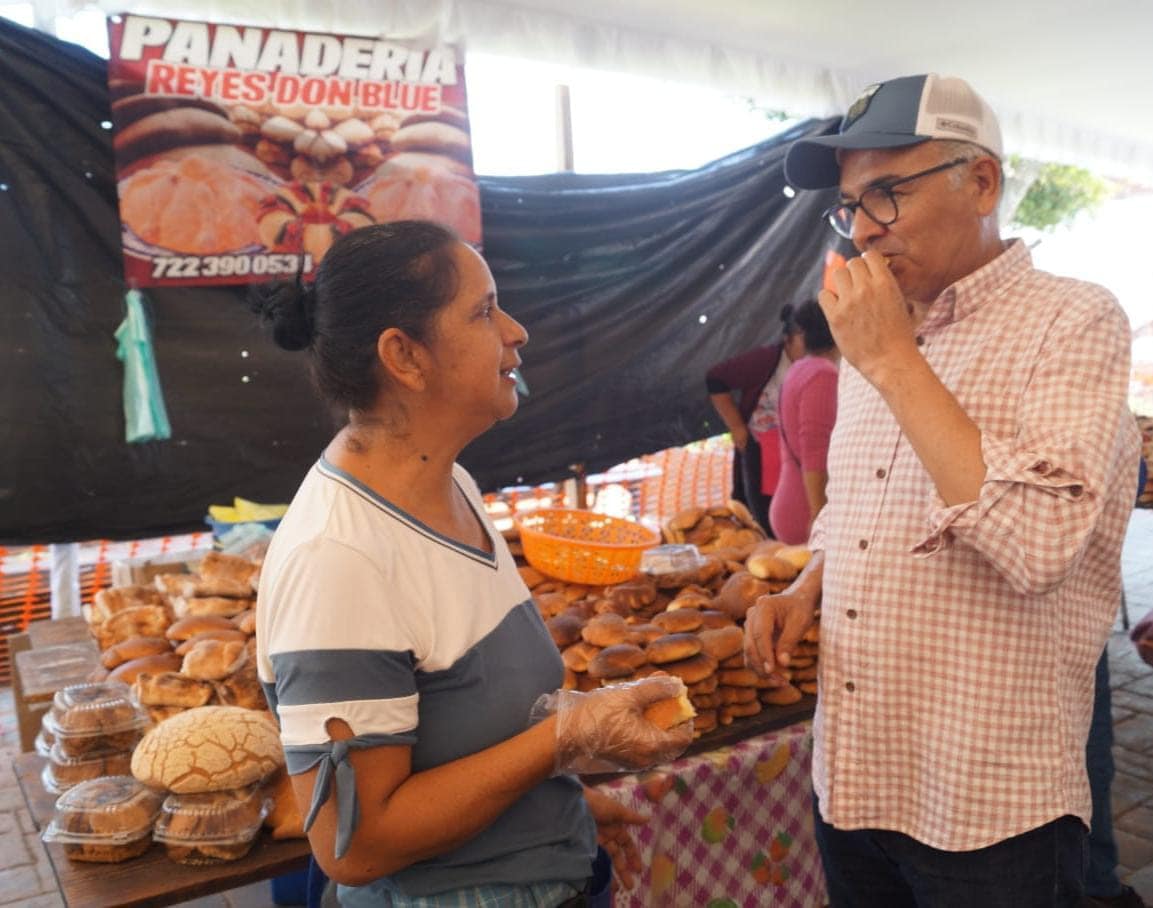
{"points": [[242, 153]]}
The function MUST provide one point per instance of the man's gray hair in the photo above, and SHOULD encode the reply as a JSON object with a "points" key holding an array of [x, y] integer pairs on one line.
{"points": [[952, 149]]}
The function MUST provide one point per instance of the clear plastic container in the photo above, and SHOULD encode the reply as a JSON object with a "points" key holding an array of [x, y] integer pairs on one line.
{"points": [[670, 559], [44, 738], [213, 827], [97, 716], [62, 772], [105, 820]]}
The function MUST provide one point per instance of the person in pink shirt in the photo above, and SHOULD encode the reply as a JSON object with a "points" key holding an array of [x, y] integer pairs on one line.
{"points": [[808, 409]]}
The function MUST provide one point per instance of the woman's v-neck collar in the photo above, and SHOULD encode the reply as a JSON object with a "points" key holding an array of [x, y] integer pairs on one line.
{"points": [[357, 487]]}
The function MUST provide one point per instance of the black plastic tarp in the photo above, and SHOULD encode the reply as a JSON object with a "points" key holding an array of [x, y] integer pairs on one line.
{"points": [[630, 286]]}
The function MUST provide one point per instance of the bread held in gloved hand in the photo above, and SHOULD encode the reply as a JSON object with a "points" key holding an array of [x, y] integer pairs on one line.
{"points": [[605, 730]]}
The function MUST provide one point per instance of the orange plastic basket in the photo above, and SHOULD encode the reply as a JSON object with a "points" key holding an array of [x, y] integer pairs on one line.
{"points": [[583, 546]]}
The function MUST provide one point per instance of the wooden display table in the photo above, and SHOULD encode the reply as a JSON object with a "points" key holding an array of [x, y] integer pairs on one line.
{"points": [[151, 879]]}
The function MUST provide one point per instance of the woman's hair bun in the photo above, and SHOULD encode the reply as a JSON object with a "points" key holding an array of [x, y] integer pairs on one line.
{"points": [[287, 307]]}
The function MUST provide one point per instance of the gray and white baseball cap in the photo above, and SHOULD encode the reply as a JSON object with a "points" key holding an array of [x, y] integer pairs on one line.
{"points": [[895, 114]]}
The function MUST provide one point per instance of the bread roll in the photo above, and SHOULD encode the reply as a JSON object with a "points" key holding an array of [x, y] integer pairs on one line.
{"points": [[796, 555], [705, 685], [530, 575], [134, 648], [739, 677], [549, 604], [241, 688], [687, 519], [693, 669], [714, 618], [212, 748], [185, 628], [218, 566], [606, 630], [246, 621], [666, 714], [780, 696], [159, 713], [765, 564], [578, 655], [731, 695], [190, 585], [723, 642], [682, 621], [171, 688], [739, 593], [690, 599], [809, 673], [136, 621], [211, 660], [222, 634], [128, 672], [565, 629], [210, 605], [673, 648], [644, 634], [704, 722], [108, 602], [617, 661], [739, 710], [705, 701], [634, 595]]}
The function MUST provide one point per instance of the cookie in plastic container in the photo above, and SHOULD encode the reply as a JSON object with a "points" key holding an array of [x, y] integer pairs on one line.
{"points": [[212, 827], [61, 771], [96, 716], [104, 820]]}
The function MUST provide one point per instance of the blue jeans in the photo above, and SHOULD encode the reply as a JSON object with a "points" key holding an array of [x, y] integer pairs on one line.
{"points": [[876, 868], [1101, 878]]}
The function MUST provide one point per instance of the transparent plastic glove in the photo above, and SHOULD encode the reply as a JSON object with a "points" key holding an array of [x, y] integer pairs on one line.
{"points": [[605, 730]]}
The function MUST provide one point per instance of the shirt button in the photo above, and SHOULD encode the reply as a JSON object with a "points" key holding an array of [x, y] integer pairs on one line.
{"points": [[920, 341], [881, 474], [852, 613], [863, 544], [850, 686]]}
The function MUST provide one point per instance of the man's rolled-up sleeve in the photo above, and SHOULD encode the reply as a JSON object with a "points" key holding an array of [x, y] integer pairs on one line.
{"points": [[1045, 488]]}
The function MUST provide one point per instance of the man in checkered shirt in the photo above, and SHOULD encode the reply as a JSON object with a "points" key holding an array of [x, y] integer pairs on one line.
{"points": [[968, 560]]}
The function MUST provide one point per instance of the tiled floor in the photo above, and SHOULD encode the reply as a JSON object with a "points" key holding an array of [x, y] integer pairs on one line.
{"points": [[26, 878]]}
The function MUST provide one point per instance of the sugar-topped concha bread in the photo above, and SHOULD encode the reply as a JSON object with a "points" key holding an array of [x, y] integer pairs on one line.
{"points": [[210, 748]]}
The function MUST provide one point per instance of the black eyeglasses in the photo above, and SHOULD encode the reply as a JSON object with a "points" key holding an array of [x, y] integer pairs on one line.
{"points": [[878, 202]]}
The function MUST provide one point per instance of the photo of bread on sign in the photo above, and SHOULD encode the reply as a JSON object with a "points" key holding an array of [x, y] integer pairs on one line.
{"points": [[186, 186]]}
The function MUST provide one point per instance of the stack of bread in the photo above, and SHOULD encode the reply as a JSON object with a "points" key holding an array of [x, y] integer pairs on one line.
{"points": [[213, 762], [686, 623], [187, 642], [728, 531]]}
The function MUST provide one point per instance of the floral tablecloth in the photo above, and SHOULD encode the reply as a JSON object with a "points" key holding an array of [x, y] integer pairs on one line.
{"points": [[730, 828]]}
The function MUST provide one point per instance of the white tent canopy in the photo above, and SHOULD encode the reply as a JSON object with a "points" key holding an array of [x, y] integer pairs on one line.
{"points": [[1071, 81]]}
